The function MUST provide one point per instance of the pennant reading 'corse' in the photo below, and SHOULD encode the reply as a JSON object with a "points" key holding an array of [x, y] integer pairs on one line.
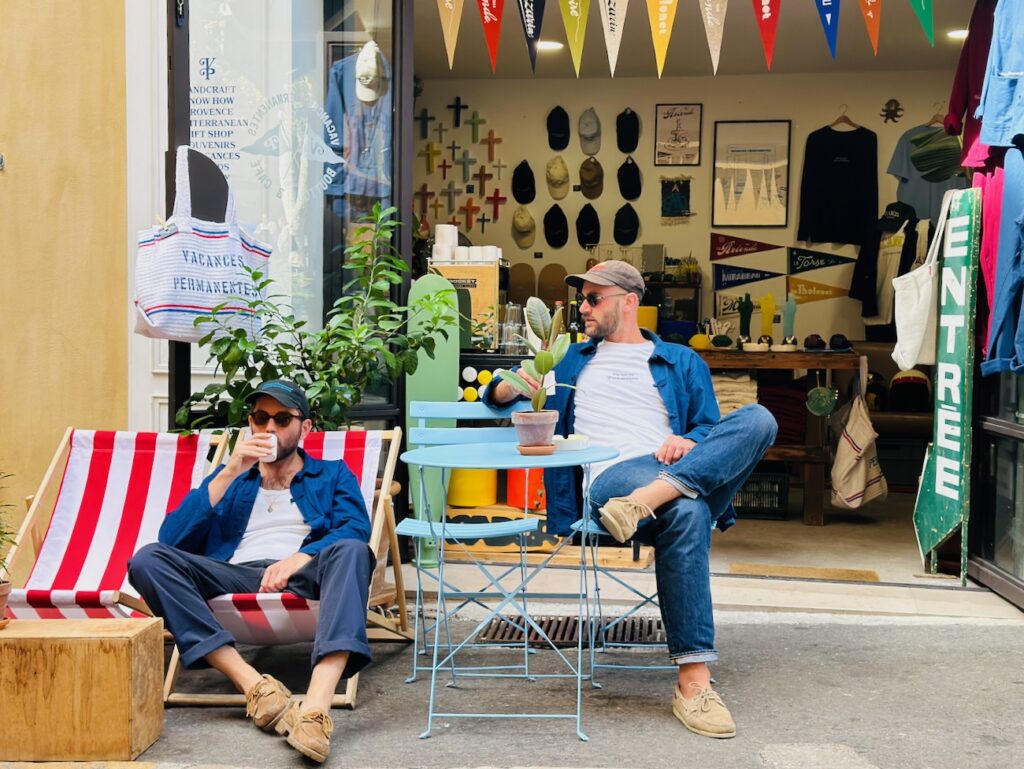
{"points": [[574, 17], [767, 14], [613, 17], [451, 18], [802, 260], [662, 14], [828, 12], [871, 10], [712, 12], [727, 276], [531, 12], [726, 246], [490, 16], [804, 291], [923, 9]]}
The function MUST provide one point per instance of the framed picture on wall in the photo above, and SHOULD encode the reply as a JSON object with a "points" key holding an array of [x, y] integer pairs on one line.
{"points": [[677, 130], [751, 179]]}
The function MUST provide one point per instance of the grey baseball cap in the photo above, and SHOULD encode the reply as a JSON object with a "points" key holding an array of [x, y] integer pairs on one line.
{"points": [[614, 272], [285, 392]]}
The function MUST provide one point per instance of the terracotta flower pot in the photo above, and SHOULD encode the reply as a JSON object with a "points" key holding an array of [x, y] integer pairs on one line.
{"points": [[536, 430]]}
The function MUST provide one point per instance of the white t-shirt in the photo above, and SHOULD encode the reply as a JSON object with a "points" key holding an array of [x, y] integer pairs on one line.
{"points": [[276, 528], [618, 404]]}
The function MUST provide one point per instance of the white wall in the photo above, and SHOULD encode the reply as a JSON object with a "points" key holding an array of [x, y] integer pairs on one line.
{"points": [[517, 110]]}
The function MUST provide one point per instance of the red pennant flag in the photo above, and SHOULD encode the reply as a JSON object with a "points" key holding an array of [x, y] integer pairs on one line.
{"points": [[871, 10], [726, 246], [767, 14], [490, 16]]}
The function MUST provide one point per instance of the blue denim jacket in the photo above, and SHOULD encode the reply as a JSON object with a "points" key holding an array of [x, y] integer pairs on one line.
{"points": [[1002, 96], [326, 492], [684, 382]]}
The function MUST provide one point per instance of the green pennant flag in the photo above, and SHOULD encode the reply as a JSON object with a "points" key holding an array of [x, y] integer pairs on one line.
{"points": [[923, 9]]}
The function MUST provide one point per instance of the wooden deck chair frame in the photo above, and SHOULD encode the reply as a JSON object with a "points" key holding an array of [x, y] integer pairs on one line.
{"points": [[382, 624]]}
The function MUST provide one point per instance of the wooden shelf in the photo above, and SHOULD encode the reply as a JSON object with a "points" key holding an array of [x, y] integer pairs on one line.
{"points": [[815, 455], [736, 359]]}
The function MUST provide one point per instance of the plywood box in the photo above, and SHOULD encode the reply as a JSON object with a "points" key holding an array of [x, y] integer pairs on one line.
{"points": [[80, 690]]}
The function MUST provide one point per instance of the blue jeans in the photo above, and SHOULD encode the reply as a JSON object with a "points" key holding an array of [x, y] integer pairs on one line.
{"points": [[680, 531], [176, 585], [1006, 337]]}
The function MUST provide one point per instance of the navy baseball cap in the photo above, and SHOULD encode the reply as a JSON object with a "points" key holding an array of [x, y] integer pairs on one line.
{"points": [[285, 392]]}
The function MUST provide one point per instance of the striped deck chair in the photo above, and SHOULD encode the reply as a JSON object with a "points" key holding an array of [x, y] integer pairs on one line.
{"points": [[271, 619], [103, 496]]}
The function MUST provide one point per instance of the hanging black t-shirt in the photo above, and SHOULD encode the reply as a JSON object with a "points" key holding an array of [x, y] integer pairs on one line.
{"points": [[839, 188]]}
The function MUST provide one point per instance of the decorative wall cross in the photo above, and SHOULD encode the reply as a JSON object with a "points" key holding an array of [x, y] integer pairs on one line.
{"points": [[451, 192], [498, 167], [476, 121], [469, 208], [440, 130], [456, 107], [435, 208], [423, 195], [497, 200], [424, 119], [483, 177], [444, 165], [466, 161], [453, 148], [490, 141], [455, 221], [430, 152], [483, 220]]}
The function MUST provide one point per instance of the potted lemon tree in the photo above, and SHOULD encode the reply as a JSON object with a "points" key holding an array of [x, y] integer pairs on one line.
{"points": [[536, 428]]}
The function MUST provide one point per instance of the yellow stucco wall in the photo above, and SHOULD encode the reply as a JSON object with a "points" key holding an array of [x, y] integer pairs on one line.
{"points": [[63, 250]]}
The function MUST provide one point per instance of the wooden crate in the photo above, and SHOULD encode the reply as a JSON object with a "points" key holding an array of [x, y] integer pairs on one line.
{"points": [[80, 690]]}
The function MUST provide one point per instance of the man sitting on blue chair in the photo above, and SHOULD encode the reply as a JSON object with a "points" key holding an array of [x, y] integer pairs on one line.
{"points": [[679, 466]]}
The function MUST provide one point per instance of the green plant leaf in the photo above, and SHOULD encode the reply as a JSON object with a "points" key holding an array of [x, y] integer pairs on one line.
{"points": [[560, 348], [556, 328], [544, 362], [538, 317], [515, 381], [531, 369], [539, 399]]}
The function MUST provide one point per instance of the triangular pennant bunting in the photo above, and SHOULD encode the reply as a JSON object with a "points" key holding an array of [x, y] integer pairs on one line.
{"points": [[532, 14], [802, 260], [713, 14], [726, 246], [574, 17], [804, 291], [828, 12], [767, 14], [728, 276], [871, 10], [923, 9], [613, 17], [662, 14], [451, 18], [490, 16]]}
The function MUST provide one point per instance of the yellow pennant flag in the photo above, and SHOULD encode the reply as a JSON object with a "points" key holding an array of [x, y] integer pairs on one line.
{"points": [[804, 291], [661, 13], [574, 17], [451, 17]]}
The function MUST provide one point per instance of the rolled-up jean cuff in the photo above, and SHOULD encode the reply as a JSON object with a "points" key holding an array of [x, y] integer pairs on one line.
{"points": [[358, 654], [689, 658], [678, 485]]}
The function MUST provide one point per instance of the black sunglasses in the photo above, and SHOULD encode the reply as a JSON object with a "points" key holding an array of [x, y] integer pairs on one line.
{"points": [[595, 299], [281, 418]]}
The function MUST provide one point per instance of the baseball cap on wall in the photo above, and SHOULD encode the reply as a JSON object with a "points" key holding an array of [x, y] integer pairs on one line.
{"points": [[614, 272], [627, 225], [627, 130], [524, 229], [558, 129], [370, 76], [588, 227], [556, 227], [285, 392], [629, 179], [524, 187], [590, 132], [557, 175], [591, 179]]}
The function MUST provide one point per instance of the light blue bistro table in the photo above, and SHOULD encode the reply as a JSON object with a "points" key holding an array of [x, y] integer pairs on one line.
{"points": [[500, 455]]}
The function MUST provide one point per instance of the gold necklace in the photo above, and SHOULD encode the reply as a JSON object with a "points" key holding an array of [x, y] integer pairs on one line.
{"points": [[273, 499]]}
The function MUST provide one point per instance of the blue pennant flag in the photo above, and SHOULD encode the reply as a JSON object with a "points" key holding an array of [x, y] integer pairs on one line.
{"points": [[828, 10], [531, 12], [728, 276]]}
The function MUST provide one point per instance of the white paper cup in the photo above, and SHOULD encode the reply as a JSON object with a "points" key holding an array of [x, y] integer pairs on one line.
{"points": [[272, 456]]}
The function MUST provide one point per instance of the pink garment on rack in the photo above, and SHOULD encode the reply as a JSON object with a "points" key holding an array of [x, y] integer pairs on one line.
{"points": [[990, 182]]}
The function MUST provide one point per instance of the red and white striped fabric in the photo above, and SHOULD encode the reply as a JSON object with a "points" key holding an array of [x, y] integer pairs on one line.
{"points": [[116, 489], [269, 619]]}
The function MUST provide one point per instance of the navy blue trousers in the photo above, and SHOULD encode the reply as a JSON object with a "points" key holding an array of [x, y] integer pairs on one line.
{"points": [[176, 586]]}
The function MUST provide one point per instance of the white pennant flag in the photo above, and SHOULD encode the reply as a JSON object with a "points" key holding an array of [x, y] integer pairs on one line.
{"points": [[613, 18], [712, 12]]}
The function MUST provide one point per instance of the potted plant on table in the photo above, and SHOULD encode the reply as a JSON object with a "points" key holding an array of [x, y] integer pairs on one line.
{"points": [[6, 540], [536, 428]]}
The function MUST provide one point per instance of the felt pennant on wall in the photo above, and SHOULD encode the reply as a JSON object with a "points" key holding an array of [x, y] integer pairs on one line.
{"points": [[803, 290], [490, 16], [828, 12], [613, 17], [662, 14], [451, 18], [729, 276], [923, 9], [712, 13], [726, 246], [574, 17], [871, 10], [531, 13], [729, 304], [767, 14], [802, 260]]}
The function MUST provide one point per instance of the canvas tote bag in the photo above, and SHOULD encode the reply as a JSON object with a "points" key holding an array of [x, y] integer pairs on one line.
{"points": [[189, 266], [915, 300], [856, 475]]}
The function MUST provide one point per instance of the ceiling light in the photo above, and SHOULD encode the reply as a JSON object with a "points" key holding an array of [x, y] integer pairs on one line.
{"points": [[549, 45], [957, 34]]}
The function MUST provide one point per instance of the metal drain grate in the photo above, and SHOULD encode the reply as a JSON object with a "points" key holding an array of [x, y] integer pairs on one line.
{"points": [[563, 630]]}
